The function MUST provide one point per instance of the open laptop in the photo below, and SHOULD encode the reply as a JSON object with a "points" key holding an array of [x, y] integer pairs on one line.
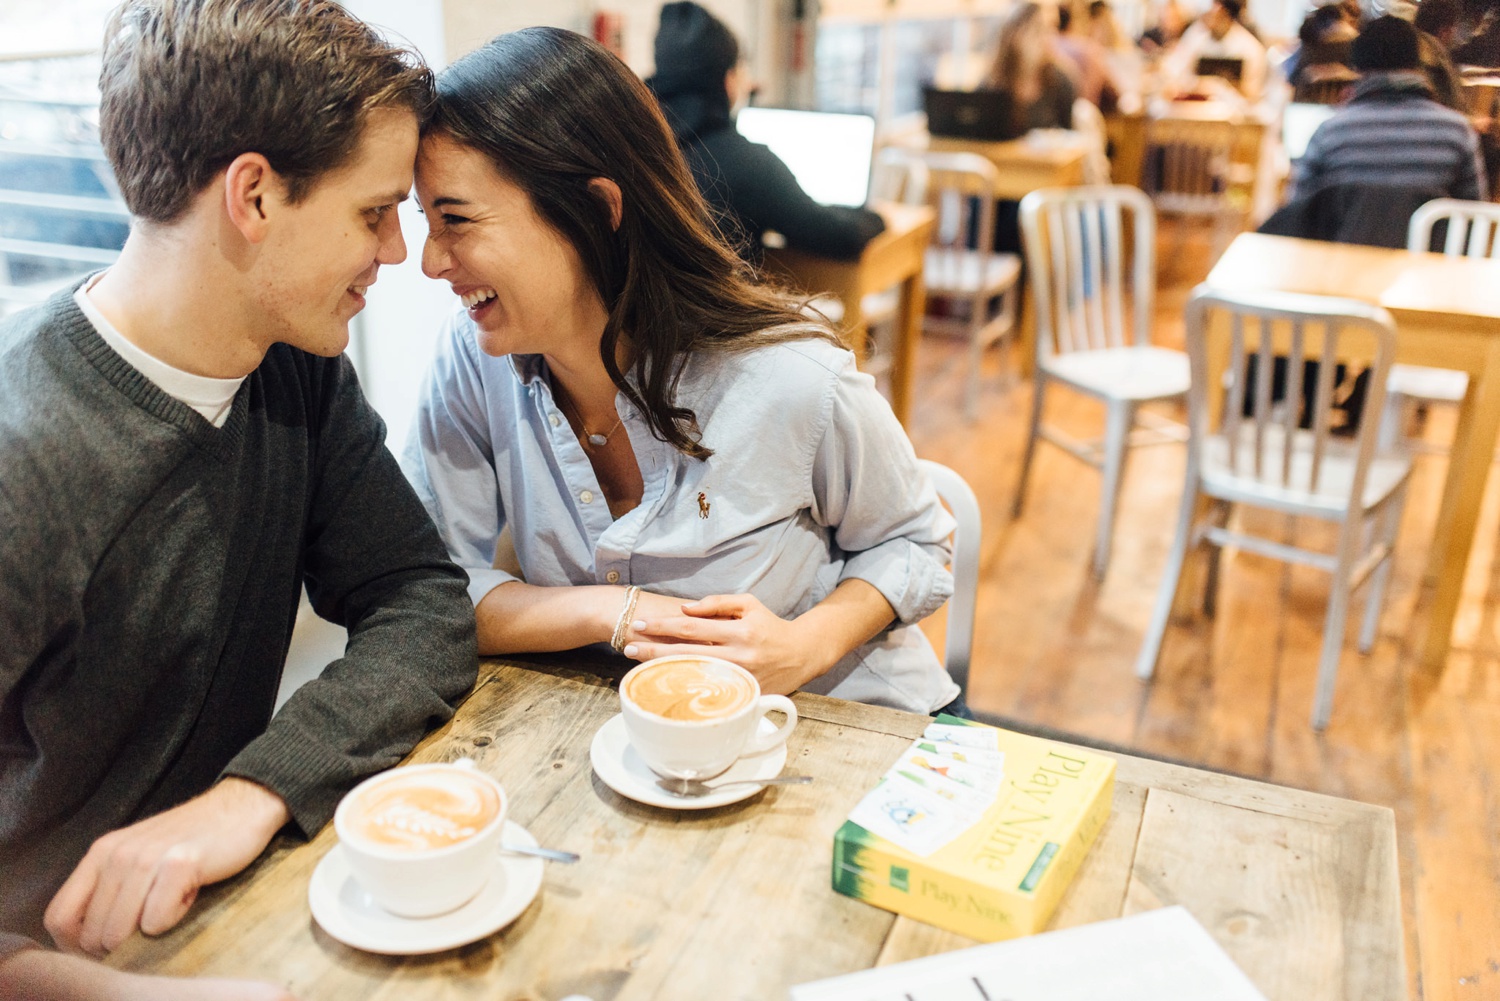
{"points": [[829, 154], [1299, 122], [983, 115], [1231, 68]]}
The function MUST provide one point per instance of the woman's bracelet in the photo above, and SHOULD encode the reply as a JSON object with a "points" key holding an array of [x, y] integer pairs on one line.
{"points": [[627, 615]]}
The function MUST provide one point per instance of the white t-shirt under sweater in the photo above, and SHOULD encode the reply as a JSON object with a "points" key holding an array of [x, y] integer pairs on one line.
{"points": [[210, 397]]}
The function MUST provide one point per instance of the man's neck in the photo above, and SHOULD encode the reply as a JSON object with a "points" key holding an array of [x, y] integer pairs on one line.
{"points": [[163, 296]]}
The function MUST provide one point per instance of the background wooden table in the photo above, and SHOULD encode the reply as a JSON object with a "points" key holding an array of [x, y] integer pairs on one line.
{"points": [[894, 259], [736, 903], [1446, 311]]}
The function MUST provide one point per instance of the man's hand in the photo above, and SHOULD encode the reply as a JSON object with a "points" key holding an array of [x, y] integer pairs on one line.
{"points": [[39, 973], [147, 875]]}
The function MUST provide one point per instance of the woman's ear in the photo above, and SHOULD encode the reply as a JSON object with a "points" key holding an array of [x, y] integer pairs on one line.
{"points": [[608, 192]]}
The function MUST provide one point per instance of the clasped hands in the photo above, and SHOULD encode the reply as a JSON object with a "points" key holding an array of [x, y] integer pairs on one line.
{"points": [[783, 654]]}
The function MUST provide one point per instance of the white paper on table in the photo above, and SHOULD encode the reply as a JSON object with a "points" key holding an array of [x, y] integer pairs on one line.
{"points": [[1161, 955]]}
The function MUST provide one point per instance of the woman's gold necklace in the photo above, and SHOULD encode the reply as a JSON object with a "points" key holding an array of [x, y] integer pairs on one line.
{"points": [[592, 437]]}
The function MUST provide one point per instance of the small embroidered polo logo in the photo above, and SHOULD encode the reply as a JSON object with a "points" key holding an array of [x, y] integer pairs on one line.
{"points": [[703, 504]]}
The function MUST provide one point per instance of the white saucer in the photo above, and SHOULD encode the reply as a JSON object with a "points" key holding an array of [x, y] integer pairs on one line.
{"points": [[622, 769], [347, 913]]}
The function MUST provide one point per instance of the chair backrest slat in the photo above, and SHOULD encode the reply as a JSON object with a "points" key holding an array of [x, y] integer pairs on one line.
{"points": [[1239, 372], [1114, 274], [1077, 252], [1265, 365], [1293, 406]]}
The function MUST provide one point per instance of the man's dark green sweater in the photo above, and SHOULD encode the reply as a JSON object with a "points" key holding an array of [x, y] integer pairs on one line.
{"points": [[150, 571]]}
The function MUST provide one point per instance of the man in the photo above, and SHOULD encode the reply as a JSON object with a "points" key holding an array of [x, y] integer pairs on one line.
{"points": [[1392, 134], [698, 81], [1218, 34], [183, 446]]}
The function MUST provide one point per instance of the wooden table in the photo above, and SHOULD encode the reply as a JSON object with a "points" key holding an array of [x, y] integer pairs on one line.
{"points": [[1447, 312], [1301, 889], [893, 259]]}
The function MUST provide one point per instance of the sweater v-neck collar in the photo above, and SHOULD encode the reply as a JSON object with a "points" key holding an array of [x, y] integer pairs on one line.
{"points": [[140, 390]]}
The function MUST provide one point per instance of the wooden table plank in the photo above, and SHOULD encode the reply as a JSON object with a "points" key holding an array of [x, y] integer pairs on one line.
{"points": [[736, 903]]}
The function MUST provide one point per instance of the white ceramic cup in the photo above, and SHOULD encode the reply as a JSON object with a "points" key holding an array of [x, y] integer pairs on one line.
{"points": [[421, 883], [700, 749]]}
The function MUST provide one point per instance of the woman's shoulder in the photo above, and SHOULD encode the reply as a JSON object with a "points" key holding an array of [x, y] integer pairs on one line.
{"points": [[787, 366]]}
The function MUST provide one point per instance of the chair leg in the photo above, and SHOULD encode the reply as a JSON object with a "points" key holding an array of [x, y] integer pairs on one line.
{"points": [[1119, 416], [1156, 629], [1038, 387], [1333, 624], [976, 359], [1390, 526], [1219, 517]]}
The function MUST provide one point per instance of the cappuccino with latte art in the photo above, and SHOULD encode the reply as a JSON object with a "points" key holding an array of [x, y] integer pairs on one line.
{"points": [[424, 812], [684, 688]]}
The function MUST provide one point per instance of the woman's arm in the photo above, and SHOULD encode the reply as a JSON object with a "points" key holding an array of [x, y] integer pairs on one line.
{"points": [[524, 618], [885, 518]]}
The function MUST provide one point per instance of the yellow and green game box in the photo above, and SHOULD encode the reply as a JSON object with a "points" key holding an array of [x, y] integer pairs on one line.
{"points": [[975, 829]]}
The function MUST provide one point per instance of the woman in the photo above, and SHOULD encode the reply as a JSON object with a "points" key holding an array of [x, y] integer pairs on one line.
{"points": [[1027, 66], [648, 424]]}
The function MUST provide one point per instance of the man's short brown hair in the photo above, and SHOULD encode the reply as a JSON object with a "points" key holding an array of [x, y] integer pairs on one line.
{"points": [[188, 85]]}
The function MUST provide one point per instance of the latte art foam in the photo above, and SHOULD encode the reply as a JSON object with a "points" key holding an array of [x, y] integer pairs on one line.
{"points": [[427, 811], [690, 690]]}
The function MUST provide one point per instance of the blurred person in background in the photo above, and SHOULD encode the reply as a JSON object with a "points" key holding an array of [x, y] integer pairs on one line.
{"points": [[1219, 34], [699, 81], [1089, 62], [1029, 66], [1172, 20], [1392, 133], [1436, 22]]}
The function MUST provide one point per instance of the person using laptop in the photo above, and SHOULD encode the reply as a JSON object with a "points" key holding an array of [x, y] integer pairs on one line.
{"points": [[685, 462], [1219, 35], [699, 79]]}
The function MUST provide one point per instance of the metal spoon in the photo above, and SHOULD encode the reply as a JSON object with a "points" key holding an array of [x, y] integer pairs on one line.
{"points": [[692, 788], [551, 854]]}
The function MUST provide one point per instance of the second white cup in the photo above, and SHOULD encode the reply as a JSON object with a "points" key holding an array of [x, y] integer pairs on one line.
{"points": [[692, 717]]}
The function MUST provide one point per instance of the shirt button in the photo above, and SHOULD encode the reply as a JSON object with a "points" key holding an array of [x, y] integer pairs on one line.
{"points": [[587, 497], [613, 576], [556, 421]]}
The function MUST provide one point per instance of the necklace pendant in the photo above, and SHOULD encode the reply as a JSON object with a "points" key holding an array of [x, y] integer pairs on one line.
{"points": [[598, 440]]}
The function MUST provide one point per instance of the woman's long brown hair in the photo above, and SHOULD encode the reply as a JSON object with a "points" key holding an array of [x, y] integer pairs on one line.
{"points": [[553, 111], [1010, 58]]}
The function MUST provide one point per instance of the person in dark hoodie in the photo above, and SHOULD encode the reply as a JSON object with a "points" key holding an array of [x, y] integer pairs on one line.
{"points": [[698, 81]]}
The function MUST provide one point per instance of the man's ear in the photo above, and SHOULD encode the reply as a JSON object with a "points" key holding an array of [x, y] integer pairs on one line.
{"points": [[250, 187], [608, 192]]}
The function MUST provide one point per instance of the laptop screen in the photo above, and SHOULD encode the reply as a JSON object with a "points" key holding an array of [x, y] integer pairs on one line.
{"points": [[1231, 68], [1299, 122], [829, 154]]}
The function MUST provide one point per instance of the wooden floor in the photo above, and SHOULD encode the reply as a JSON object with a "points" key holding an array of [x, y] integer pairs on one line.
{"points": [[1056, 649]]}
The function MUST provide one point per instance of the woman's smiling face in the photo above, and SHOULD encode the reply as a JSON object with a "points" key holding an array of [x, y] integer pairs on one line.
{"points": [[521, 281]]}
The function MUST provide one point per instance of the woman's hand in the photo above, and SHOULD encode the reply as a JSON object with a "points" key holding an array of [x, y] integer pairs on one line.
{"points": [[783, 655]]}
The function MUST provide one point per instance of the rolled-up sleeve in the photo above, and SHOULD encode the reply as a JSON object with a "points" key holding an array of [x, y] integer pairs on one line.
{"points": [[884, 512], [450, 461]]}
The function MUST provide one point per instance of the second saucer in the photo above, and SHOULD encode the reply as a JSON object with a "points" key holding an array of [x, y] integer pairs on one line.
{"points": [[621, 768]]}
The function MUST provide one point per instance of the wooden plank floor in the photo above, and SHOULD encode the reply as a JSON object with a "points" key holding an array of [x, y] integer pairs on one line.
{"points": [[1055, 648]]}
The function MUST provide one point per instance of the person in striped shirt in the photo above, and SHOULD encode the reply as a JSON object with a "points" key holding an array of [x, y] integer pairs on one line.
{"points": [[1393, 132]]}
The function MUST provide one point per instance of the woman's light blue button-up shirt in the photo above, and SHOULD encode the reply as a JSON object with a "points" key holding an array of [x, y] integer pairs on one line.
{"points": [[812, 482]]}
